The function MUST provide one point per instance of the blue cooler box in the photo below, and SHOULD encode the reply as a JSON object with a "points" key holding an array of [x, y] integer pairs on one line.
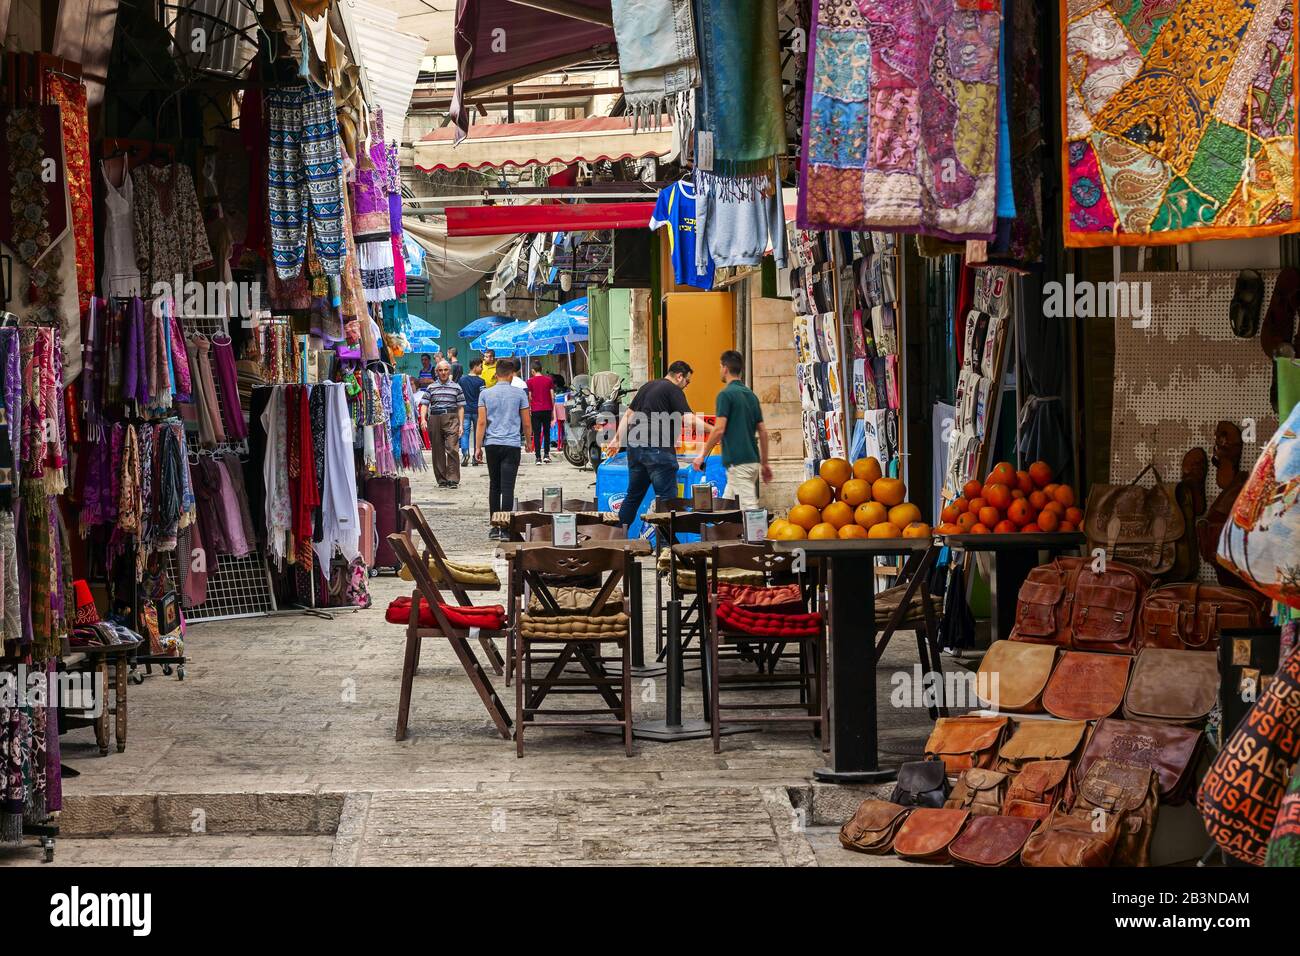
{"points": [[611, 487]]}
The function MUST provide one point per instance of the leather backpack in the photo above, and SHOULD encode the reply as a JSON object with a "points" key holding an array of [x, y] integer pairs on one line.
{"points": [[979, 791], [992, 841], [1069, 840], [873, 826], [921, 783], [1172, 753], [1106, 605], [1176, 687], [1037, 790], [926, 834], [1041, 740], [1137, 525], [1087, 686], [1127, 793], [1190, 616], [1013, 675], [965, 742], [1045, 604]]}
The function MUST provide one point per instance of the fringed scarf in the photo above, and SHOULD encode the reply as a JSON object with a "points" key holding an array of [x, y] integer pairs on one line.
{"points": [[657, 57]]}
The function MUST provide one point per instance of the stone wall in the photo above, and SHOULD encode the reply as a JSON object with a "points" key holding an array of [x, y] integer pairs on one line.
{"points": [[772, 363]]}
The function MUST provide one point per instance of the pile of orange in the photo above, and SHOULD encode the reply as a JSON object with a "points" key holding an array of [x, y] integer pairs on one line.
{"points": [[850, 501], [1010, 502]]}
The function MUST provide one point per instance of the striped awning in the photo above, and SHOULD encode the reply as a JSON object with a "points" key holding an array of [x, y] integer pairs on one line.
{"points": [[494, 145]]}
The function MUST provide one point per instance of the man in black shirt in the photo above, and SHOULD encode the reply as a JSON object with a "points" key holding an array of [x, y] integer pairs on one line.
{"points": [[649, 430]]}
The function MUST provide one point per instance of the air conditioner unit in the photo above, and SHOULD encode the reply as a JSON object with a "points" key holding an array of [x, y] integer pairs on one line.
{"points": [[217, 36]]}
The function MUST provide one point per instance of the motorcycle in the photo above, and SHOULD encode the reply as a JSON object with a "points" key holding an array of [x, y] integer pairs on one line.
{"points": [[589, 421]]}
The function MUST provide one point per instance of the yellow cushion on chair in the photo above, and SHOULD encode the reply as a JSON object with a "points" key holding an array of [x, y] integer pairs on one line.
{"points": [[462, 573]]}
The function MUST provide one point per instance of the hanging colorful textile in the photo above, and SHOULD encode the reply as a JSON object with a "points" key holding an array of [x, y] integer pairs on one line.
{"points": [[70, 95], [901, 117], [303, 178], [394, 186], [370, 227], [1179, 121], [657, 62]]}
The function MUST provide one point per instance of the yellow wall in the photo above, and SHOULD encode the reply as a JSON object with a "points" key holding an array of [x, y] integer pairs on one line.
{"points": [[699, 327]]}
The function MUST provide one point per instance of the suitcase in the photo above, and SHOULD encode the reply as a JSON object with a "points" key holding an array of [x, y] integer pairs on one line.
{"points": [[369, 536], [388, 495]]}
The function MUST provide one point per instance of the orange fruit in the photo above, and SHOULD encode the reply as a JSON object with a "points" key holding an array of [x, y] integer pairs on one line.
{"points": [[1031, 528], [854, 492], [917, 529], [1003, 473], [1050, 490], [835, 471], [1067, 526], [980, 529], [1017, 493], [950, 513], [884, 530], [1021, 512], [782, 530], [823, 532], [1024, 482], [966, 522], [1041, 473], [871, 513], [837, 513], [976, 504], [1065, 495], [903, 515], [814, 492], [949, 527], [805, 516], [1048, 521], [1006, 527], [1038, 500], [989, 516], [1057, 508], [867, 469], [998, 496], [971, 489], [889, 491], [853, 531], [1074, 516], [961, 504]]}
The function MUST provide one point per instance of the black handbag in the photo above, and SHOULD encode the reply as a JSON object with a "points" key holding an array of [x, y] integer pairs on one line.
{"points": [[921, 783]]}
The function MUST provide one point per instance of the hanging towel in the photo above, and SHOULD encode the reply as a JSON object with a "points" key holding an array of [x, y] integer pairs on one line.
{"points": [[656, 57]]}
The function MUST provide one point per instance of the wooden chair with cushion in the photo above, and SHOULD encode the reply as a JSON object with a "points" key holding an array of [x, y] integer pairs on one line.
{"points": [[766, 646], [521, 522], [680, 577], [581, 635], [456, 635]]}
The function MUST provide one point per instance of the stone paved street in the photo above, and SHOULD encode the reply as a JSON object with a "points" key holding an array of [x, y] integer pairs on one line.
{"points": [[304, 706]]}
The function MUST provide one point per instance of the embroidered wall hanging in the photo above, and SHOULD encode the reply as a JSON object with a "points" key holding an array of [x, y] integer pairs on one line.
{"points": [[1179, 120], [901, 117]]}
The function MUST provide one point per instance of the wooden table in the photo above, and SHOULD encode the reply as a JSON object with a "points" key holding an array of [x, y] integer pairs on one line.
{"points": [[853, 651], [97, 661], [1014, 556]]}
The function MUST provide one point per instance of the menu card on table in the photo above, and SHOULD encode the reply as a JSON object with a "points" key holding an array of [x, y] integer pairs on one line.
{"points": [[756, 525], [564, 530]]}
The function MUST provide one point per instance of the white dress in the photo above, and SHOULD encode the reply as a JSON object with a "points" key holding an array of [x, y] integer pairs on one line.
{"points": [[121, 275]]}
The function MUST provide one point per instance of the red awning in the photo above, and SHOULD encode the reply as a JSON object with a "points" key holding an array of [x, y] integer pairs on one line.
{"points": [[501, 220], [494, 145]]}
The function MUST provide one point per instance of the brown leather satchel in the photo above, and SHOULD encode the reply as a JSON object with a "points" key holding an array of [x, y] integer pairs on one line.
{"points": [[1013, 675], [1139, 526], [1041, 740], [873, 826], [1127, 793], [979, 791], [1171, 752], [1174, 687], [926, 834], [1069, 840], [992, 841], [1190, 616], [1106, 608], [1087, 686], [1037, 790], [1045, 603], [965, 742]]}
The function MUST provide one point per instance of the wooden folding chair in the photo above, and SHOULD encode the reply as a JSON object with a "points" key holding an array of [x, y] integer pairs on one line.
{"points": [[810, 679], [708, 525], [457, 637], [909, 605], [433, 552], [538, 567]]}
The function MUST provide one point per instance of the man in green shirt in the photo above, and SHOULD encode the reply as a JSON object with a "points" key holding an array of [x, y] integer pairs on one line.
{"points": [[740, 429]]}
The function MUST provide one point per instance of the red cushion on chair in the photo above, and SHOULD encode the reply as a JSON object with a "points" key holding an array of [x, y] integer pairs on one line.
{"points": [[490, 617], [767, 624], [774, 599]]}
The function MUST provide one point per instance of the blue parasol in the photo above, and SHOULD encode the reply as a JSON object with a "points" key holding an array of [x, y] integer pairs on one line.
{"points": [[483, 324]]}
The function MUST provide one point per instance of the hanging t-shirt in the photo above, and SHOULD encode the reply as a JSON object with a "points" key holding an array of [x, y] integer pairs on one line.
{"points": [[676, 209]]}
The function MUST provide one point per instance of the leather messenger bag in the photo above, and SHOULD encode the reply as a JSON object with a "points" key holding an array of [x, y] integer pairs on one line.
{"points": [[1170, 751], [979, 791], [1069, 840], [1139, 526], [1127, 793], [1174, 687], [926, 834], [1037, 790], [1190, 616], [992, 841], [1013, 675], [873, 826], [1041, 740], [965, 742], [921, 783], [1045, 603], [1087, 686], [1106, 607]]}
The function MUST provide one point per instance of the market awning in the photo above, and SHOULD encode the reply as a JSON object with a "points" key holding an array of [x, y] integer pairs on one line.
{"points": [[507, 220], [499, 42], [493, 145]]}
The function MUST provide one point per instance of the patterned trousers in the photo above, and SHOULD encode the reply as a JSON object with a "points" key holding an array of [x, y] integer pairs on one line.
{"points": [[304, 179]]}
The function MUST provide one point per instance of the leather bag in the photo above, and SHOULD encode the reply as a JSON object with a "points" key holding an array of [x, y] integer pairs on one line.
{"points": [[979, 791], [1013, 675], [1037, 790], [1045, 603], [1171, 752], [992, 841], [1176, 687], [1129, 794], [1069, 840], [873, 826], [965, 742], [1041, 740], [1190, 616], [1087, 686], [1106, 605], [1137, 525], [921, 783], [926, 834]]}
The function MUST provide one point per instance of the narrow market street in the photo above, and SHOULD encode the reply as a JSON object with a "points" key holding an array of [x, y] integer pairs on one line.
{"points": [[278, 747]]}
